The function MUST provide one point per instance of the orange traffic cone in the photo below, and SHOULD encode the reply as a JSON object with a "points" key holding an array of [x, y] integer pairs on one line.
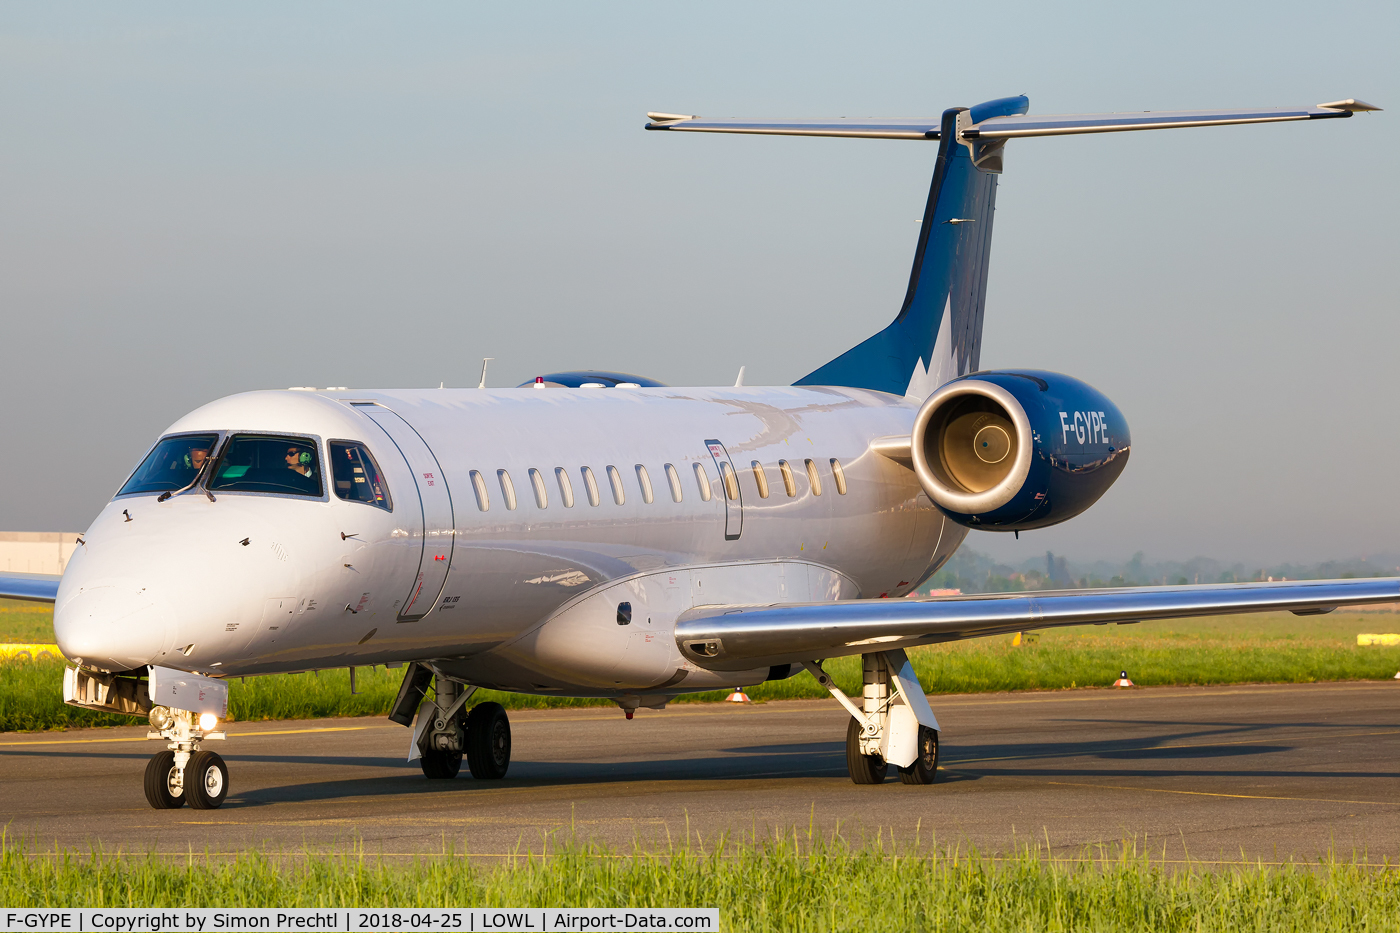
{"points": [[738, 696], [1122, 680]]}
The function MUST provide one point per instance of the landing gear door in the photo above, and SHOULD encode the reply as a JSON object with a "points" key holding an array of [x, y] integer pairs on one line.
{"points": [[433, 526], [728, 490]]}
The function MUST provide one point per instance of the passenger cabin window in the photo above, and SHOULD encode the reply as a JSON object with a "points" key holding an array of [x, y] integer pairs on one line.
{"points": [[674, 479], [507, 488], [615, 479], [590, 485], [537, 481], [355, 476], [813, 478], [760, 479], [287, 466], [789, 483], [644, 481], [483, 499], [731, 482], [702, 479], [566, 488], [839, 475], [173, 464]]}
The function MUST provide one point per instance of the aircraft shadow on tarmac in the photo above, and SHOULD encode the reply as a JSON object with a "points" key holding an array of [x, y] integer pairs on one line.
{"points": [[1172, 752]]}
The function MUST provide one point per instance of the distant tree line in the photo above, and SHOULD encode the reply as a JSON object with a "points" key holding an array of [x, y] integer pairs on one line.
{"points": [[974, 572]]}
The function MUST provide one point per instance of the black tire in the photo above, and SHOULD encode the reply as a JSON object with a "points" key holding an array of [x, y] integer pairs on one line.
{"points": [[206, 781], [160, 776], [488, 741], [924, 770], [440, 764], [864, 769]]}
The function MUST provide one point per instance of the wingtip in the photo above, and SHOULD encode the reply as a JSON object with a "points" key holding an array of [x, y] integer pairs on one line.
{"points": [[1351, 104], [661, 120]]}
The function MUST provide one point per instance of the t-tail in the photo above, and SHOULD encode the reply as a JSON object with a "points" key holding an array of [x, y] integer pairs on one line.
{"points": [[937, 335]]}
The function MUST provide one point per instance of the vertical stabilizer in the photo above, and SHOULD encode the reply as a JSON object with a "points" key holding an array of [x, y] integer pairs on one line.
{"points": [[938, 332]]}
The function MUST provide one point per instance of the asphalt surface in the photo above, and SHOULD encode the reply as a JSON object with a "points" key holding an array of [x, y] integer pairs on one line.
{"points": [[1260, 772]]}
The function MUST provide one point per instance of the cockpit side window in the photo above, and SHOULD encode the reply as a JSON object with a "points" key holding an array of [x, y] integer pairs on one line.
{"points": [[288, 466], [355, 476], [172, 464]]}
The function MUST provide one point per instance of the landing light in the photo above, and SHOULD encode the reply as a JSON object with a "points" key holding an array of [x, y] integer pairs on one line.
{"points": [[207, 722]]}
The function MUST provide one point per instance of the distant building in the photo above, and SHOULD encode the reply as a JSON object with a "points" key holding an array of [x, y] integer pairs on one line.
{"points": [[36, 551]]}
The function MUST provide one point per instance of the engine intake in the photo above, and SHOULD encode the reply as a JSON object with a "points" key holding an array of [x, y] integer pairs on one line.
{"points": [[1011, 451]]}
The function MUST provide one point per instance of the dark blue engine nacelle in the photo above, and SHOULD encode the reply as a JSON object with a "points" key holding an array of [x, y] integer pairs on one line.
{"points": [[1010, 451]]}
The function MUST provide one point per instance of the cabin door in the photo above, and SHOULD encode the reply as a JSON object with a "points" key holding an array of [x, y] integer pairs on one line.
{"points": [[728, 491], [429, 516]]}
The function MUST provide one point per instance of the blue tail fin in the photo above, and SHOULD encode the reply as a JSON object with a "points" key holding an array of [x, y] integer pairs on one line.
{"points": [[938, 332]]}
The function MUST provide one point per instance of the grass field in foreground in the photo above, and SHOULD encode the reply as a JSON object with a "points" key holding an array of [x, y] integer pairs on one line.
{"points": [[787, 884], [1275, 648]]}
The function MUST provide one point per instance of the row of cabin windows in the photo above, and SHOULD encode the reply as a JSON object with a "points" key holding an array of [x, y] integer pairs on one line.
{"points": [[730, 481]]}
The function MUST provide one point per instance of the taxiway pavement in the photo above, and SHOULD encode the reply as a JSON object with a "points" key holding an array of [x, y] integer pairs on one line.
{"points": [[1268, 772]]}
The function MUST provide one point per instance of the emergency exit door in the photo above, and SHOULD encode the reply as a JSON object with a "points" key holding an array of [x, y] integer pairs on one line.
{"points": [[434, 522], [728, 491]]}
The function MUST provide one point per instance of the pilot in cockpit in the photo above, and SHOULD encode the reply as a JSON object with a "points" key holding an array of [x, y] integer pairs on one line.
{"points": [[299, 461], [194, 460]]}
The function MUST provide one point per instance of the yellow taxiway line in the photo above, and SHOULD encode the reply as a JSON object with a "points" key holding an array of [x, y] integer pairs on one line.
{"points": [[142, 738]]}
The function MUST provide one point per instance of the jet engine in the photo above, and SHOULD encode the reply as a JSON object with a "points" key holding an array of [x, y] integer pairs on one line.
{"points": [[1011, 451]]}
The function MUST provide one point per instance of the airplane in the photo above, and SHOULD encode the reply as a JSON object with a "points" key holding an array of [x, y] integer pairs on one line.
{"points": [[596, 534]]}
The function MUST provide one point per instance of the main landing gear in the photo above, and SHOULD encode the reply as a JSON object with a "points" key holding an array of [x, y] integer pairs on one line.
{"points": [[883, 732], [184, 772], [446, 731]]}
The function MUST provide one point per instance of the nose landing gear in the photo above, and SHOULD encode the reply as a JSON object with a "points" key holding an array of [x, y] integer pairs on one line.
{"points": [[183, 772]]}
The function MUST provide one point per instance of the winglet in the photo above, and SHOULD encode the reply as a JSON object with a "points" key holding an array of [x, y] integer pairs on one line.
{"points": [[670, 117], [1352, 104]]}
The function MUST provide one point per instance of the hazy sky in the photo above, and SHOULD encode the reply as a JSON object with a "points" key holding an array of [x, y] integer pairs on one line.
{"points": [[199, 199]]}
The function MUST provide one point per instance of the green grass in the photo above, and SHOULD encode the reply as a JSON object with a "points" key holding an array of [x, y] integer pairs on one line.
{"points": [[782, 884], [1279, 648], [25, 623]]}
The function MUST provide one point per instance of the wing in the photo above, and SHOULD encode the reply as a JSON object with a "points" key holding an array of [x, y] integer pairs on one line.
{"points": [[1005, 126], [746, 637], [36, 587]]}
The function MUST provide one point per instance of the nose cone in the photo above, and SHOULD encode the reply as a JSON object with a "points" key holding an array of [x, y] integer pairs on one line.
{"points": [[115, 627]]}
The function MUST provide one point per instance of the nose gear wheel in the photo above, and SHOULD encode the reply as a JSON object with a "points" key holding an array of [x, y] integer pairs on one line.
{"points": [[206, 780], [162, 784]]}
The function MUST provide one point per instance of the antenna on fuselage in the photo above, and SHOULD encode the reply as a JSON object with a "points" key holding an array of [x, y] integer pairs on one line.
{"points": [[740, 381], [484, 361]]}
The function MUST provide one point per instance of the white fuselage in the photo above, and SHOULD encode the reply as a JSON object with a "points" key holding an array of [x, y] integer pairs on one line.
{"points": [[525, 598]]}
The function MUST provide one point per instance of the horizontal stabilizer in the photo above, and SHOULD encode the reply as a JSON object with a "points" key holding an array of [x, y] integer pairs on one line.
{"points": [[978, 125], [744, 637], [866, 127], [35, 587]]}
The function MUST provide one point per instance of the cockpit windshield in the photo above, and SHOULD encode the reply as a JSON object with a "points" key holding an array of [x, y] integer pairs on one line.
{"points": [[288, 466], [173, 464]]}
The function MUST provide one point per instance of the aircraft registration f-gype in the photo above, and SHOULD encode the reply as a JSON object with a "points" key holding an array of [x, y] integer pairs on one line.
{"points": [[604, 535]]}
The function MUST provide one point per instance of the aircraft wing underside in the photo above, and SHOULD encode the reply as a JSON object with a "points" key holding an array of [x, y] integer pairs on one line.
{"points": [[36, 587], [745, 637]]}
